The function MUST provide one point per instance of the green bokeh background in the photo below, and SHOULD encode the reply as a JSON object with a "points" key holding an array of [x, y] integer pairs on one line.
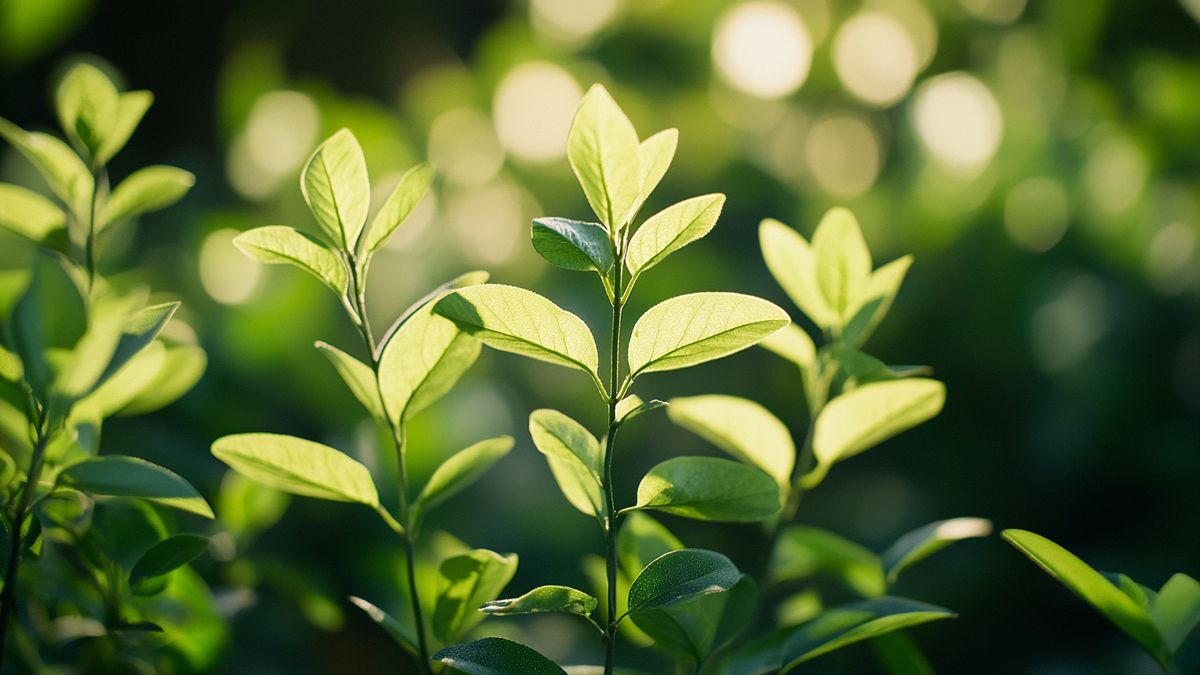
{"points": [[1072, 362]]}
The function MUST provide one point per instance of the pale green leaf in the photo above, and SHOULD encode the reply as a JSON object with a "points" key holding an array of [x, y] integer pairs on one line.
{"points": [[573, 244], [336, 187], [874, 300], [496, 656], [563, 599], [409, 192], [843, 261], [1176, 610], [671, 229], [358, 376], [655, 155], [792, 343], [802, 552], [131, 107], [282, 245], [459, 471], [139, 331], [149, 189], [708, 488], [127, 383], [88, 362], [632, 406], [679, 575], [461, 281], [29, 214], [66, 174], [182, 369], [121, 476], [1093, 588], [10, 366], [925, 541], [691, 329], [298, 466], [515, 320], [574, 456], [163, 558], [87, 106], [740, 427], [421, 362], [602, 147], [466, 582], [791, 261]]}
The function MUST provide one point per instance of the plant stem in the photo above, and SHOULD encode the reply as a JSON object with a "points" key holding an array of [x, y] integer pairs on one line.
{"points": [[99, 177], [8, 599], [610, 529]]}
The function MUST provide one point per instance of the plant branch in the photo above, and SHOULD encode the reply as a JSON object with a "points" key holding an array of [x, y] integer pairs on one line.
{"points": [[8, 598], [610, 530], [99, 177]]}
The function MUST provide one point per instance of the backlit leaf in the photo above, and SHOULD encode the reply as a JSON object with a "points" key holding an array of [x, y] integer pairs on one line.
{"points": [[1176, 610], [131, 107], [843, 261], [874, 300], [671, 229], [422, 361], [298, 466], [740, 427], [358, 376], [148, 189], [282, 245], [466, 583], [29, 214], [87, 105], [802, 552], [655, 155], [791, 261], [409, 192], [925, 541], [121, 476], [66, 174], [792, 343], [562, 599], [182, 369], [708, 488], [574, 456], [337, 189], [458, 472], [602, 147], [641, 540]]}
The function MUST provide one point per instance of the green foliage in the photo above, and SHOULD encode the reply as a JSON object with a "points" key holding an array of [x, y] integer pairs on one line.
{"points": [[148, 576], [544, 599], [468, 582], [708, 488], [496, 656], [682, 574], [458, 472], [740, 427], [298, 466], [925, 541], [574, 457], [279, 244], [121, 476]]}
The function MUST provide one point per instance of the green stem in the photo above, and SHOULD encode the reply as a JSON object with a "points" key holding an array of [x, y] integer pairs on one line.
{"points": [[99, 177], [610, 530], [8, 598]]}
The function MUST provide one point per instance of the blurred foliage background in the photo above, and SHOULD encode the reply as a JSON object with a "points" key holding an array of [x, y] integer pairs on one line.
{"points": [[1040, 159]]}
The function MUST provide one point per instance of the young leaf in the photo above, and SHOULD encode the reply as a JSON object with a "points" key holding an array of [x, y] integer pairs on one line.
{"points": [[671, 229], [282, 245], [400, 631], [84, 368], [791, 261], [925, 541], [679, 575], [182, 369], [29, 214], [1176, 610], [633, 406], [1093, 588], [802, 552], [357, 375], [163, 558], [833, 629], [691, 329], [792, 343], [696, 627], [573, 244], [562, 599], [336, 188], [574, 457], [843, 261], [515, 320], [409, 192], [602, 147], [873, 413], [456, 473], [66, 174], [708, 488], [641, 540], [496, 656], [298, 466], [424, 358], [87, 106], [139, 331], [874, 300], [655, 155], [740, 427], [473, 278], [131, 107], [466, 583], [121, 476], [148, 189]]}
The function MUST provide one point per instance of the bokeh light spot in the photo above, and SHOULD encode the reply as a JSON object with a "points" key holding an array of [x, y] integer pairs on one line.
{"points": [[958, 120], [280, 133], [227, 276], [532, 109], [571, 21], [875, 58], [1171, 258], [762, 48], [1070, 323], [843, 155], [1115, 174], [464, 148], [1036, 212]]}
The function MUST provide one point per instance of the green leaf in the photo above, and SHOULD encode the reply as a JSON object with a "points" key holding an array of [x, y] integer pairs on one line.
{"points": [[573, 244], [833, 629], [50, 317], [88, 361], [121, 476], [792, 343], [691, 329], [633, 406], [148, 189], [496, 656], [655, 155], [872, 413], [791, 261], [29, 214], [602, 147], [843, 261], [874, 300], [802, 552], [466, 583], [671, 229], [248, 507], [1093, 588], [336, 188], [740, 427], [358, 376], [641, 540], [87, 106], [66, 174], [562, 599], [574, 457], [708, 488], [409, 192], [925, 541], [139, 331], [679, 575], [182, 369], [163, 558], [462, 469], [1176, 610], [461, 281], [298, 466], [899, 655], [421, 362], [131, 107], [282, 245], [515, 320], [698, 626], [400, 631]]}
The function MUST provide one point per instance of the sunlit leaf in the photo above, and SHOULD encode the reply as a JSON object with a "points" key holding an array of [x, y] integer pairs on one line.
{"points": [[466, 582], [88, 361], [925, 541], [802, 552], [358, 376], [29, 214], [422, 361], [87, 106], [602, 147], [131, 107], [874, 300], [1176, 610], [740, 427], [163, 558], [472, 278], [792, 343], [458, 472], [791, 261], [671, 229], [148, 189], [183, 368], [121, 476], [66, 174], [496, 656], [282, 245], [337, 189], [708, 488], [573, 244], [679, 575], [138, 332], [655, 155], [692, 329], [562, 599], [409, 192], [298, 466], [574, 457], [843, 261], [632, 406]]}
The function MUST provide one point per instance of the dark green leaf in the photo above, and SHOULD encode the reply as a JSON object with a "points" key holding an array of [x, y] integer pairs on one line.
{"points": [[121, 476], [496, 656], [925, 541], [573, 244], [679, 575], [708, 488], [562, 599], [698, 626], [163, 558]]}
